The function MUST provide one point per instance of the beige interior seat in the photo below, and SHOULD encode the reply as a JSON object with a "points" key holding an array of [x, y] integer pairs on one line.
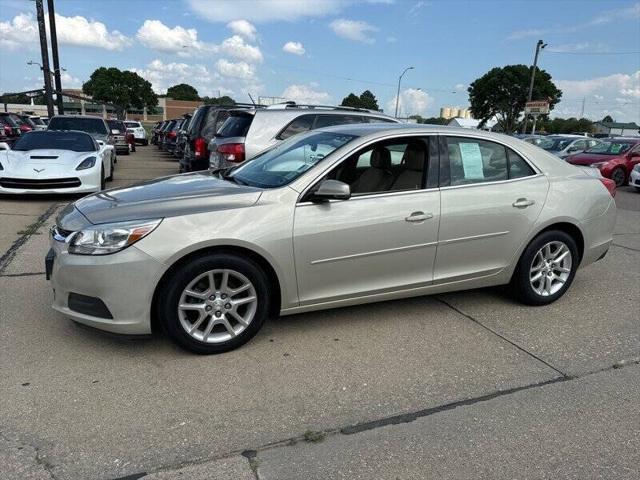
{"points": [[413, 161], [377, 177]]}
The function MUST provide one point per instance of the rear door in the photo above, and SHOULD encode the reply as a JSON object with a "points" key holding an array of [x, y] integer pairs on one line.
{"points": [[490, 199]]}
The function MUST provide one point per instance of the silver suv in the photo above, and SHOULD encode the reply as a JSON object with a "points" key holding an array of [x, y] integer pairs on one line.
{"points": [[248, 132]]}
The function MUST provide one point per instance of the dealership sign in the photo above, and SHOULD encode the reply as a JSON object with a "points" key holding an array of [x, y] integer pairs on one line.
{"points": [[537, 108]]}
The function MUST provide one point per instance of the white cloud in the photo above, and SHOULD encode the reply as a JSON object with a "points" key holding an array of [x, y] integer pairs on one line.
{"points": [[264, 10], [164, 75], [356, 30], [243, 28], [69, 81], [77, 31], [412, 102], [305, 94], [294, 47], [241, 70], [622, 14], [619, 91], [21, 28], [236, 47], [459, 87], [157, 36]]}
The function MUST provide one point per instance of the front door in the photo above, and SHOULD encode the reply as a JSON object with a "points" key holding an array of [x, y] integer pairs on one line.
{"points": [[383, 238]]}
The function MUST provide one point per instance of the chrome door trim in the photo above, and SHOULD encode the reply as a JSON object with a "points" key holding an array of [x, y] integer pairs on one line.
{"points": [[375, 252], [472, 237], [496, 182]]}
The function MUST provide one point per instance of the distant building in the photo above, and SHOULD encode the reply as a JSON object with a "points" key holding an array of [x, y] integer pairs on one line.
{"points": [[470, 123], [455, 112], [616, 128]]}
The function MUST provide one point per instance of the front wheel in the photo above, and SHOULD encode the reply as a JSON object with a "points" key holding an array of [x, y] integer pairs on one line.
{"points": [[618, 176], [546, 269], [103, 180], [215, 303], [110, 177]]}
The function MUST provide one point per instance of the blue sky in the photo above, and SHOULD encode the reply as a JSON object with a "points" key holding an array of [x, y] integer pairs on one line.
{"points": [[319, 51]]}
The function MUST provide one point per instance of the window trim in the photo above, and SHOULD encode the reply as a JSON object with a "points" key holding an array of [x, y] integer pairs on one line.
{"points": [[444, 159], [366, 145]]}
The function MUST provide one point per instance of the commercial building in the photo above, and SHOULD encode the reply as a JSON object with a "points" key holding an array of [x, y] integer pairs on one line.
{"points": [[455, 112], [616, 128]]}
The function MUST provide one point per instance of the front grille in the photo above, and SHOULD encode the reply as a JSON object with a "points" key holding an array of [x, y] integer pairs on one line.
{"points": [[37, 184]]}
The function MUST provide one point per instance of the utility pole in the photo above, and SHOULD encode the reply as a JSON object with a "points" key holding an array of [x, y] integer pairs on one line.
{"points": [[54, 56], [539, 46], [398, 95], [582, 109], [46, 71]]}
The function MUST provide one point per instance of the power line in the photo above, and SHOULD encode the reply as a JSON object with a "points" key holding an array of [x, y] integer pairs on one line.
{"points": [[591, 53]]}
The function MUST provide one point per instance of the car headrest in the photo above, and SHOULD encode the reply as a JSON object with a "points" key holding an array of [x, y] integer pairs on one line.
{"points": [[380, 158], [413, 157]]}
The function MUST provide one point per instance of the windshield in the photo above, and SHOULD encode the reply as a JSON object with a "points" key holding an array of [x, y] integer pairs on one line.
{"points": [[132, 124], [89, 125], [289, 159], [554, 144], [74, 141], [610, 148]]}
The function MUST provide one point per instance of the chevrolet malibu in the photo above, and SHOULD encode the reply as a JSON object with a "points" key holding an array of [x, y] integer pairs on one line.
{"points": [[333, 217]]}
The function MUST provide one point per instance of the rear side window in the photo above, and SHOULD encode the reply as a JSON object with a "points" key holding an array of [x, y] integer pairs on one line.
{"points": [[479, 161], [378, 120], [330, 120], [301, 124], [236, 126]]}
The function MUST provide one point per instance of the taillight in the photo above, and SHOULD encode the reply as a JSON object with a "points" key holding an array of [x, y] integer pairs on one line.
{"points": [[200, 147], [8, 130], [171, 134], [232, 152], [609, 185]]}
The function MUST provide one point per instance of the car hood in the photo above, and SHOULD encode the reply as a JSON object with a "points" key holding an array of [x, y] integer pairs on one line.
{"points": [[589, 158], [163, 197], [42, 163]]}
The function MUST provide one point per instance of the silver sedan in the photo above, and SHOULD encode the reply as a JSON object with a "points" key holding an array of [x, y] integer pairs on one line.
{"points": [[334, 217]]}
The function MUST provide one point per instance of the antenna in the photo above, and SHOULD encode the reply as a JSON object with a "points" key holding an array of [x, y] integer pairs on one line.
{"points": [[254, 103]]}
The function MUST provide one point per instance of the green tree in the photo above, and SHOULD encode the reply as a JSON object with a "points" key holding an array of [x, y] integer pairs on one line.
{"points": [[223, 100], [183, 91], [365, 100], [608, 119], [502, 93], [15, 98], [124, 89]]}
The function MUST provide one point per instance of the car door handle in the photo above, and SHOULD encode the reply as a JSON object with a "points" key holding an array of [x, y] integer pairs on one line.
{"points": [[419, 217], [523, 203]]}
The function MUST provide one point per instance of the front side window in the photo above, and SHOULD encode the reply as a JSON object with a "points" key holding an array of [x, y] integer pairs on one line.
{"points": [[478, 161], [288, 160], [388, 166]]}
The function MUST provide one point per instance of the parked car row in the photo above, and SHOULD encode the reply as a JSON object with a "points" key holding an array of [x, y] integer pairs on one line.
{"points": [[221, 136]]}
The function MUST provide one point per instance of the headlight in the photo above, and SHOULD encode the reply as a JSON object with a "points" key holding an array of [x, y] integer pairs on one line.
{"points": [[87, 163], [110, 238]]}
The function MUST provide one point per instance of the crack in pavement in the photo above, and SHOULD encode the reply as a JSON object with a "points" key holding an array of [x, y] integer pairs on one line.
{"points": [[522, 349], [26, 274], [6, 258], [626, 248]]}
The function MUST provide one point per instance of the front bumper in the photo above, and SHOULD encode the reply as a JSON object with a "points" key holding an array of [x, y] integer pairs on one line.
{"points": [[89, 183], [124, 282], [634, 179]]}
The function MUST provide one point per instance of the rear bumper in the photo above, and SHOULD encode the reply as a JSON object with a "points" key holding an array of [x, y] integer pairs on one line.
{"points": [[598, 235]]}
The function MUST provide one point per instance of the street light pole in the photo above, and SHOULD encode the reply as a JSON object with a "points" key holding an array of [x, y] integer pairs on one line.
{"points": [[398, 95], [54, 56], [45, 58], [539, 46]]}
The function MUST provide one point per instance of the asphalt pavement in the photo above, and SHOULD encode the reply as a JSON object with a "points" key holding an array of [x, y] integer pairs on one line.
{"points": [[461, 385]]}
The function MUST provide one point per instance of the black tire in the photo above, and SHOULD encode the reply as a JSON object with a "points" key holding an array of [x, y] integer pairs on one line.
{"points": [[637, 189], [145, 142], [170, 293], [619, 176], [133, 148], [110, 177], [521, 286], [103, 181]]}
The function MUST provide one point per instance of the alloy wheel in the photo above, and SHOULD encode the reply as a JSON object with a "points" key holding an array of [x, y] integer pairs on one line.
{"points": [[550, 268], [217, 306]]}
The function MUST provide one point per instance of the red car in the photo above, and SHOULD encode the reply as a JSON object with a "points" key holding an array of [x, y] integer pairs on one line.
{"points": [[614, 157]]}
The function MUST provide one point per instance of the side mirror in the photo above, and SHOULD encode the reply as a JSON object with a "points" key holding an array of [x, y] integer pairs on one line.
{"points": [[331, 190], [572, 149]]}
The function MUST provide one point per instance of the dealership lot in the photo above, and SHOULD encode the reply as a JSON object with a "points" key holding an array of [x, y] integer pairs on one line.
{"points": [[359, 392]]}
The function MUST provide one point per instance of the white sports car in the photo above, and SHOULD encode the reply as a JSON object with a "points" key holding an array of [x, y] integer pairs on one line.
{"points": [[56, 162]]}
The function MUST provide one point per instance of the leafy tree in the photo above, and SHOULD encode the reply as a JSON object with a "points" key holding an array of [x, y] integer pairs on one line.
{"points": [[369, 100], [365, 100], [124, 89], [15, 98], [502, 93], [183, 91], [608, 119], [223, 100]]}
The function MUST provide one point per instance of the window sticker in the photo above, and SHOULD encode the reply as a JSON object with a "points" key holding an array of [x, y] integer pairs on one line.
{"points": [[471, 161], [616, 147]]}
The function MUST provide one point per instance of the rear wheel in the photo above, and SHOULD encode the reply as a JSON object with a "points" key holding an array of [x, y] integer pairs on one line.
{"points": [[546, 268], [618, 176], [103, 181], [215, 303]]}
